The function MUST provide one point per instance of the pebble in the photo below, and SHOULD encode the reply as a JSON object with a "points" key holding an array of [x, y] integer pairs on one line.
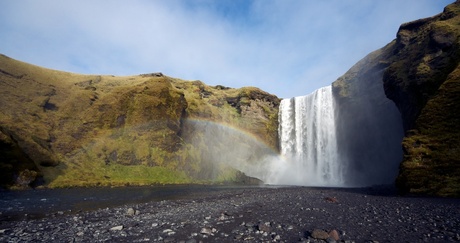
{"points": [[130, 212], [116, 228], [206, 231], [333, 234], [263, 215], [319, 234]]}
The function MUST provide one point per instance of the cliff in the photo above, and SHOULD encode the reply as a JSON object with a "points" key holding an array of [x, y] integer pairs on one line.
{"points": [[369, 126], [423, 81], [63, 129], [419, 72]]}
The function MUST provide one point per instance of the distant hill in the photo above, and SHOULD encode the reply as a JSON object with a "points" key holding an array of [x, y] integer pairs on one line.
{"points": [[62, 129]]}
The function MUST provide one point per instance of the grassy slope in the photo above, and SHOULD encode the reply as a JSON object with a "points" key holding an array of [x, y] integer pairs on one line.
{"points": [[62, 119], [82, 130]]}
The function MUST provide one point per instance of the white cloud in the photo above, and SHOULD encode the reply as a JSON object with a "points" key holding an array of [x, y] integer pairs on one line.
{"points": [[288, 47]]}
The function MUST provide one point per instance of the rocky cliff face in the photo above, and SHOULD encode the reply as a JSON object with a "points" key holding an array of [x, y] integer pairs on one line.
{"points": [[418, 71], [423, 81], [65, 129], [369, 126]]}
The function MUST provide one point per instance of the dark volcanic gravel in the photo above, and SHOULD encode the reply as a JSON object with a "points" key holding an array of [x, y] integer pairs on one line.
{"points": [[284, 214]]}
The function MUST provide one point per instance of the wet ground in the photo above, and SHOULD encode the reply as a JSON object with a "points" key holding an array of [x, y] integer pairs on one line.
{"points": [[229, 214]]}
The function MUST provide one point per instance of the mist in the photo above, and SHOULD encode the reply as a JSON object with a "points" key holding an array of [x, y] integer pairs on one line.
{"points": [[220, 147], [369, 128]]}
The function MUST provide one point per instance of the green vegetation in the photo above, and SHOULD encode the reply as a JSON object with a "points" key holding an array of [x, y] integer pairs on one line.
{"points": [[86, 130], [420, 72], [432, 161], [424, 82], [119, 175]]}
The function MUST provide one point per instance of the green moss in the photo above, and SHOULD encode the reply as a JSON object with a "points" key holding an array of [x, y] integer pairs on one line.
{"points": [[432, 151]]}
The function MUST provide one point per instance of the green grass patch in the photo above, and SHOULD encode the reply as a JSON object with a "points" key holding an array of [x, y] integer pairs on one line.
{"points": [[121, 175]]}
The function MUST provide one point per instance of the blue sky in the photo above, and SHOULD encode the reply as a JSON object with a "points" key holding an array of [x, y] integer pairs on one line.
{"points": [[285, 47]]}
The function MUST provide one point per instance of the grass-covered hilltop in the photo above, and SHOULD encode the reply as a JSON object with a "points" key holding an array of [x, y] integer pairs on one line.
{"points": [[61, 129], [419, 71]]}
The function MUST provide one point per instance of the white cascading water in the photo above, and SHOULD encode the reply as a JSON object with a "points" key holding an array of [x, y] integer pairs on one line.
{"points": [[308, 141]]}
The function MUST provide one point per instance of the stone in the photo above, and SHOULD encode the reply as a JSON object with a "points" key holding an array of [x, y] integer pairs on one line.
{"points": [[206, 231], [223, 217], [249, 224], [117, 228], [265, 227], [169, 239], [319, 234], [130, 212], [334, 235], [331, 199]]}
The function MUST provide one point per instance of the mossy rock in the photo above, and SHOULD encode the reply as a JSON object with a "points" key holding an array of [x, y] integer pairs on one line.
{"points": [[424, 82]]}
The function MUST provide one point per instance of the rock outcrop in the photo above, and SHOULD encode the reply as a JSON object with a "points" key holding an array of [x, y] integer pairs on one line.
{"points": [[419, 72], [67, 129], [369, 126], [423, 80]]}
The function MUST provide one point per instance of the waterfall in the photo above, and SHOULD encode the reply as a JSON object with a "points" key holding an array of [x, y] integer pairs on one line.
{"points": [[308, 141]]}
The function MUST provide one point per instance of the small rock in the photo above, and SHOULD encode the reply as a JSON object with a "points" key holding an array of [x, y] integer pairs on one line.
{"points": [[222, 217], [116, 228], [130, 212], [319, 234], [3, 231], [168, 239], [206, 231], [264, 227], [331, 199], [80, 234], [249, 224], [334, 235]]}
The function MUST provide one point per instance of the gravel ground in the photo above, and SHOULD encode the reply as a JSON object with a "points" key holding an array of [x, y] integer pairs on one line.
{"points": [[284, 214]]}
